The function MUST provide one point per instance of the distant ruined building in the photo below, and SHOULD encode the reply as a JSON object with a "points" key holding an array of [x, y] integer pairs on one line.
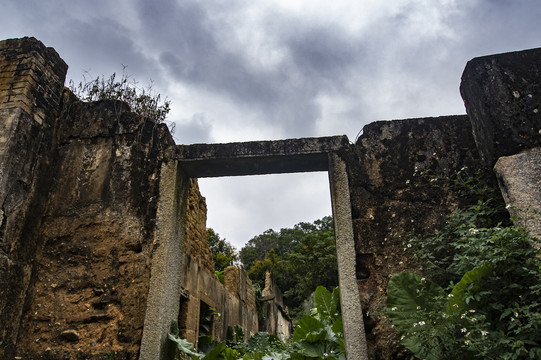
{"points": [[102, 226]]}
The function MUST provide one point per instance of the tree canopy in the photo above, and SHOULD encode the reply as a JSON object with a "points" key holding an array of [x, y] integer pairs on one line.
{"points": [[300, 259]]}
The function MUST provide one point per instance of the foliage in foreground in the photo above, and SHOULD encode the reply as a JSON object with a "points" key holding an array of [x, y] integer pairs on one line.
{"points": [[319, 335], [480, 297]]}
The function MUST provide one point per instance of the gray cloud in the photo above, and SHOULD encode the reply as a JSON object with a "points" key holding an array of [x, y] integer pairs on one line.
{"points": [[257, 65]]}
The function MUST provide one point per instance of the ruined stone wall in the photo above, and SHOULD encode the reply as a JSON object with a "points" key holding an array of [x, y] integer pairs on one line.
{"points": [[277, 320], [80, 195], [31, 83], [92, 271], [80, 192], [196, 231], [398, 173], [401, 174]]}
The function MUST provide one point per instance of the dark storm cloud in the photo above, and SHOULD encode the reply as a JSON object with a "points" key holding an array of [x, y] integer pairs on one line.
{"points": [[195, 49]]}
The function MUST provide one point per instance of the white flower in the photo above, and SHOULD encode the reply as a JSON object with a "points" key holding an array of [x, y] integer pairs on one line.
{"points": [[508, 206], [394, 308], [467, 342], [455, 305], [484, 333], [516, 314], [418, 307], [463, 330], [472, 311], [423, 279], [402, 337], [407, 181], [474, 231], [421, 323], [450, 295]]}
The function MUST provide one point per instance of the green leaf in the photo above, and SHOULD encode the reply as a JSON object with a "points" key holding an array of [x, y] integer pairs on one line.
{"points": [[323, 298], [173, 330], [184, 345], [338, 326], [335, 302], [309, 329], [406, 292], [457, 302], [215, 353]]}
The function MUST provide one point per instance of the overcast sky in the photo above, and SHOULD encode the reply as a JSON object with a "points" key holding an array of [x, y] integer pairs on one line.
{"points": [[241, 70]]}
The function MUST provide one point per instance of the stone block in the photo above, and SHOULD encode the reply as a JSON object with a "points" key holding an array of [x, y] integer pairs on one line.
{"points": [[520, 182], [502, 94]]}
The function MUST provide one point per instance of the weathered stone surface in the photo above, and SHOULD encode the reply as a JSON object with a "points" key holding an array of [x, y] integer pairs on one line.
{"points": [[502, 94], [520, 181], [97, 234], [196, 230], [31, 82], [70, 335], [398, 175], [258, 157], [277, 319]]}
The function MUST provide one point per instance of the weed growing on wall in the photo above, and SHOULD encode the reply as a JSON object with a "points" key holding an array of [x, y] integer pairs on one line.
{"points": [[141, 100], [480, 293]]}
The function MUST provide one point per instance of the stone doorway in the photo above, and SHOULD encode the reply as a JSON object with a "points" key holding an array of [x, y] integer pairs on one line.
{"points": [[239, 159]]}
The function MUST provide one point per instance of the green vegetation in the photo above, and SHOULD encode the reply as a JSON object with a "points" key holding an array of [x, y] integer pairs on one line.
{"points": [[299, 258], [479, 294], [223, 252], [141, 100], [319, 335]]}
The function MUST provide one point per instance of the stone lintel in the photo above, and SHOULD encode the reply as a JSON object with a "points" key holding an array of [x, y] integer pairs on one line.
{"points": [[257, 157]]}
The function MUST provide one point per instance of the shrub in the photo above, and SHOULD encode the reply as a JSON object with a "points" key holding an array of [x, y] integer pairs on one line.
{"points": [[480, 297]]}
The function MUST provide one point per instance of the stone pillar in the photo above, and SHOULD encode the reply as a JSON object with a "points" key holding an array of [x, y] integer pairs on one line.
{"points": [[165, 281], [350, 301]]}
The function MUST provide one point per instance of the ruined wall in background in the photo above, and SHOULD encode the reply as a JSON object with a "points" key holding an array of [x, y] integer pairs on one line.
{"points": [[196, 228], [31, 83], [277, 319]]}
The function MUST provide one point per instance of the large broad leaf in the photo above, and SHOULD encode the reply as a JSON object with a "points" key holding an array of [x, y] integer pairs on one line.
{"points": [[184, 345], [338, 326], [276, 356], [318, 350], [309, 329], [419, 347], [216, 352], [405, 293], [324, 303], [456, 302], [335, 302]]}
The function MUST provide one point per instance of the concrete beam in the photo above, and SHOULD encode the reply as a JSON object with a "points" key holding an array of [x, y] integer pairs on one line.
{"points": [[257, 157]]}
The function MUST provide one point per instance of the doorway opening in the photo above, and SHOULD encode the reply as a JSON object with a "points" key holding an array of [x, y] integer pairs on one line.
{"points": [[239, 159]]}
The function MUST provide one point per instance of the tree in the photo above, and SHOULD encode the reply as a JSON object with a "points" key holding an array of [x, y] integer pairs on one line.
{"points": [[300, 259], [223, 252]]}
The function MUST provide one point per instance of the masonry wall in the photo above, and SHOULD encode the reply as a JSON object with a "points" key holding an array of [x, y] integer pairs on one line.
{"points": [[277, 319], [31, 83], [401, 175]]}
